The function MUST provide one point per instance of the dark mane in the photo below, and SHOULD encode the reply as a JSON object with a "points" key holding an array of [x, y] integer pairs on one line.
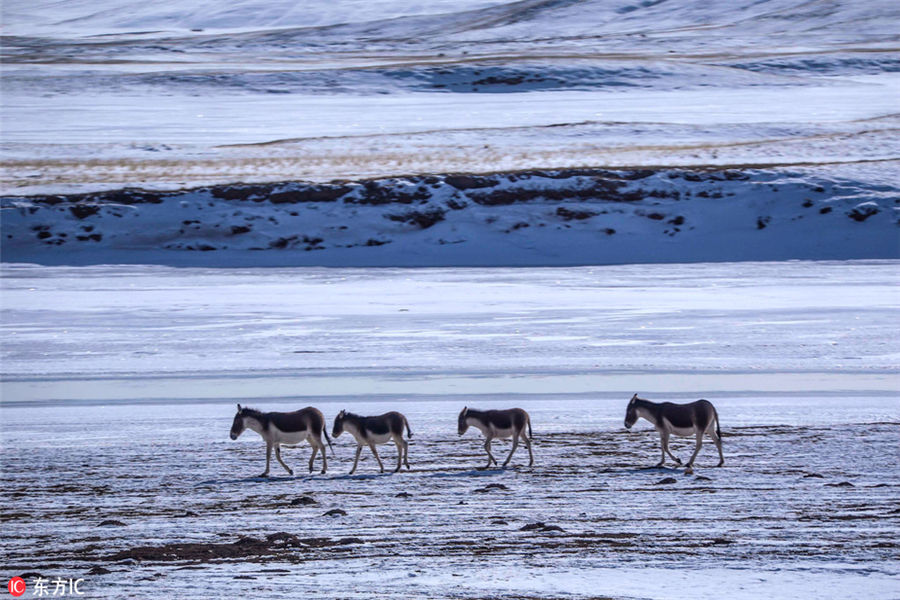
{"points": [[259, 415]]}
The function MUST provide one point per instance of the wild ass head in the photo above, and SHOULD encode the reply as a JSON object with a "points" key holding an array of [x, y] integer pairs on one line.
{"points": [[338, 428], [631, 415], [463, 424], [239, 424]]}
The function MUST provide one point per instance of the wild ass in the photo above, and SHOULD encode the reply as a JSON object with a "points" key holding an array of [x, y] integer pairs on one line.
{"points": [[503, 424], [693, 418], [290, 429], [370, 431]]}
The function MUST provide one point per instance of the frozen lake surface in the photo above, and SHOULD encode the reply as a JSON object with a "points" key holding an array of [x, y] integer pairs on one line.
{"points": [[119, 387], [113, 333]]}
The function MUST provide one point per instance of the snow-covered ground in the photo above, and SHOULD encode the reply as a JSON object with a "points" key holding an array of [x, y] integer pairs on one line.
{"points": [[180, 94], [284, 134], [119, 385], [805, 507]]}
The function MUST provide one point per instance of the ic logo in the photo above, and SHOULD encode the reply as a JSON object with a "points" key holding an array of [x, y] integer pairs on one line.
{"points": [[16, 586]]}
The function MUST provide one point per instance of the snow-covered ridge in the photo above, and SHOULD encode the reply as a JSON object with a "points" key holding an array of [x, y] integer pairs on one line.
{"points": [[249, 22], [470, 46], [540, 217], [106, 94]]}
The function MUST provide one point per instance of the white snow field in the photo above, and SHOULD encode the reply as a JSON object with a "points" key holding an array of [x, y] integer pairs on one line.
{"points": [[174, 94], [120, 383], [383, 205], [135, 132]]}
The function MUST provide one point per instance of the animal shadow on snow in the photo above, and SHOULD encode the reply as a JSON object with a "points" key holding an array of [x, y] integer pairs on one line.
{"points": [[362, 476], [643, 471], [476, 472], [257, 479]]}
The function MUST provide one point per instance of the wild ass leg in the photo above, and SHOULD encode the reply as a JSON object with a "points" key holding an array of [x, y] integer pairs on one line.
{"points": [[405, 453], [312, 458], [324, 454], [718, 442], [278, 456], [378, 458], [356, 460], [664, 441], [664, 444], [690, 463], [268, 459], [399, 443], [487, 447], [675, 458], [528, 445], [515, 444]]}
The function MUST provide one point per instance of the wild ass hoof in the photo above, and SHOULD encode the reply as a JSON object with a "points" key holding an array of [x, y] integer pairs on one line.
{"points": [[721, 462], [689, 470], [677, 461], [266, 474]]}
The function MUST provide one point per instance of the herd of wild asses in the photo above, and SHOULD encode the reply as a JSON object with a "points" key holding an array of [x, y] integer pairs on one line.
{"points": [[291, 428]]}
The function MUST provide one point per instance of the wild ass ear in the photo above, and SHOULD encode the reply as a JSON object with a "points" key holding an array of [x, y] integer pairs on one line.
{"points": [[465, 410], [239, 408]]}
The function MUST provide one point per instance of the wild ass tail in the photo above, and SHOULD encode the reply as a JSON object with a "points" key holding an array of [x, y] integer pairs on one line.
{"points": [[718, 431], [408, 430], [530, 437], [328, 439]]}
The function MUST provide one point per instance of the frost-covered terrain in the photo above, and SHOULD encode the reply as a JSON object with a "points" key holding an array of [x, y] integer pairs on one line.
{"points": [[119, 385], [181, 94], [158, 502], [524, 218], [155, 156], [368, 104]]}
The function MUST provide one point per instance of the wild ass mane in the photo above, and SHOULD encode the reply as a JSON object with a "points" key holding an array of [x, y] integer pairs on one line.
{"points": [[257, 414]]}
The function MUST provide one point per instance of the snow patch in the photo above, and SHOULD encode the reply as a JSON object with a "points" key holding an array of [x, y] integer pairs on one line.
{"points": [[587, 216]]}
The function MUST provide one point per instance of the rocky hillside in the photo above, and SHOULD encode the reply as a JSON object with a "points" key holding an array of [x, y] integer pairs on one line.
{"points": [[586, 216]]}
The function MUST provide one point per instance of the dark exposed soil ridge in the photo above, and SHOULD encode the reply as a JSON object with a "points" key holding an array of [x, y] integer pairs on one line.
{"points": [[399, 190]]}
